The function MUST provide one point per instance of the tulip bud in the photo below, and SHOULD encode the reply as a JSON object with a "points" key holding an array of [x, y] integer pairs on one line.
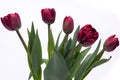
{"points": [[87, 35], [111, 43], [48, 15], [68, 24], [12, 21]]}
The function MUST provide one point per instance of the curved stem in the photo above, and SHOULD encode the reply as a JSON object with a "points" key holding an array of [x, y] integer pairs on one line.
{"points": [[27, 51], [23, 42]]}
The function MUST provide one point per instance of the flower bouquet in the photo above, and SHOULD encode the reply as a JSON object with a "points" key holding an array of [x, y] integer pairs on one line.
{"points": [[68, 59]]}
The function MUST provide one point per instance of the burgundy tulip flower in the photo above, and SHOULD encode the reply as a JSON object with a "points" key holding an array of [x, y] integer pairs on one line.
{"points": [[87, 35], [111, 43], [48, 15], [12, 21], [68, 24]]}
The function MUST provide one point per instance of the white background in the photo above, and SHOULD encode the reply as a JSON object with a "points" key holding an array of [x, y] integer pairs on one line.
{"points": [[104, 15]]}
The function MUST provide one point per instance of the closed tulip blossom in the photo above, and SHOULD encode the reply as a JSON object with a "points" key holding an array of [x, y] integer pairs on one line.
{"points": [[68, 24], [87, 35], [12, 21], [111, 43], [48, 15]]}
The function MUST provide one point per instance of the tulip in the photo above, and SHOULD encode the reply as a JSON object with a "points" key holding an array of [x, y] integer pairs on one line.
{"points": [[87, 35], [12, 21], [68, 24], [111, 43], [48, 15]]}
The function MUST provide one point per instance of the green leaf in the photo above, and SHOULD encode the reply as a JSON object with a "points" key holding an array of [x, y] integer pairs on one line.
{"points": [[77, 62], [74, 40], [97, 49], [61, 47], [70, 62], [99, 55], [56, 68], [100, 62], [38, 76], [50, 43], [95, 64], [67, 47], [36, 56], [86, 63], [31, 37], [72, 52], [57, 42]]}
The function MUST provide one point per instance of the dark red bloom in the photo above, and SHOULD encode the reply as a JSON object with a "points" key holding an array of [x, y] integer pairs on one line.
{"points": [[68, 24], [111, 43], [12, 21], [87, 35], [48, 15]]}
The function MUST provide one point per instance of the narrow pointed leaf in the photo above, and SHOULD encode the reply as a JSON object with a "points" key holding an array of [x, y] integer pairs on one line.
{"points": [[67, 47], [31, 37], [95, 64], [86, 63], [99, 55], [61, 47], [74, 40], [77, 62], [100, 62], [36, 56], [57, 42]]}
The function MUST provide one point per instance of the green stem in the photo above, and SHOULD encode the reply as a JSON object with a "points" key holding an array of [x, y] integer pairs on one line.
{"points": [[27, 51], [49, 54], [97, 58], [65, 38], [23, 42], [72, 52]]}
